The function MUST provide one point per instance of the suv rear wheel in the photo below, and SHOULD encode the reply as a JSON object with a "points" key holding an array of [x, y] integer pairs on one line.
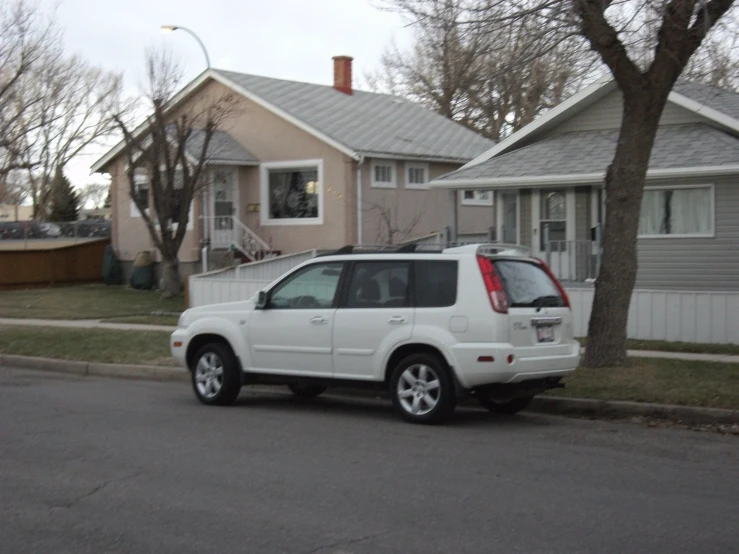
{"points": [[216, 377], [508, 406], [422, 389]]}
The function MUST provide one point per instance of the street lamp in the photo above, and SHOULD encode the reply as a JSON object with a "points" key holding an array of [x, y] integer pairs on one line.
{"points": [[171, 28]]}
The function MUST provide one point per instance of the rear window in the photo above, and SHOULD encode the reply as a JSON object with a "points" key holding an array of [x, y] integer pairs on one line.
{"points": [[436, 284], [528, 285]]}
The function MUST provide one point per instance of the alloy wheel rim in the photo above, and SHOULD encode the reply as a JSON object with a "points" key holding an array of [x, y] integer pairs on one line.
{"points": [[209, 375], [418, 389]]}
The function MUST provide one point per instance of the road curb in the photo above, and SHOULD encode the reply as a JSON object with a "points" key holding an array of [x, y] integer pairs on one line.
{"points": [[581, 407]]}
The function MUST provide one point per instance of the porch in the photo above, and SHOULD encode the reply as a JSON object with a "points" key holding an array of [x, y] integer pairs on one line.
{"points": [[560, 224]]}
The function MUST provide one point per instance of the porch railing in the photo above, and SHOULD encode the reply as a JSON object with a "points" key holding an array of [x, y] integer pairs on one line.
{"points": [[227, 231], [573, 260]]}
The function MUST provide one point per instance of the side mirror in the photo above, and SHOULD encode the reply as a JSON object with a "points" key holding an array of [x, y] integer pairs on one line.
{"points": [[262, 299]]}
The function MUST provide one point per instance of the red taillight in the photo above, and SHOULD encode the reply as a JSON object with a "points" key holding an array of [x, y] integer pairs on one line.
{"points": [[561, 289], [498, 297]]}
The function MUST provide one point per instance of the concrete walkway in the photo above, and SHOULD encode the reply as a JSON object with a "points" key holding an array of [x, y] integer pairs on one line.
{"points": [[98, 324], [85, 324]]}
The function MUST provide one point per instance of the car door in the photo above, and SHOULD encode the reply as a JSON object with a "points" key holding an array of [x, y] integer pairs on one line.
{"points": [[374, 315], [292, 334]]}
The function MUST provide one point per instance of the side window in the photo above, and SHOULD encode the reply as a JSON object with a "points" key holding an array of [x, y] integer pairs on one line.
{"points": [[379, 285], [311, 288], [435, 284]]}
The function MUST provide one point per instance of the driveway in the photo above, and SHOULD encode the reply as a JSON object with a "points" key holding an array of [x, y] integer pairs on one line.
{"points": [[103, 465]]}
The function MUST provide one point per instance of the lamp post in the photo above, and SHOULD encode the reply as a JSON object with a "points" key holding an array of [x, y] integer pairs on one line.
{"points": [[171, 28]]}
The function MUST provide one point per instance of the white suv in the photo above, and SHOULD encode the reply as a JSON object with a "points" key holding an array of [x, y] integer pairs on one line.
{"points": [[486, 320]]}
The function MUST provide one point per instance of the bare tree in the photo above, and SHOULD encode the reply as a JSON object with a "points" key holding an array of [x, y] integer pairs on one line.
{"points": [[95, 194], [172, 148], [619, 32], [78, 101], [493, 83], [390, 228], [27, 41], [13, 188]]}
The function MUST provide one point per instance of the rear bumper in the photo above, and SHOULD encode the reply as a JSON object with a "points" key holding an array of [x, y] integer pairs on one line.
{"points": [[473, 373]]}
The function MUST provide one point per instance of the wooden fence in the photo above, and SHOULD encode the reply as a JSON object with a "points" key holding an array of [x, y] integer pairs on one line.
{"points": [[77, 263]]}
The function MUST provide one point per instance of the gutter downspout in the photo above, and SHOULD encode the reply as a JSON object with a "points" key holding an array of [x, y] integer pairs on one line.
{"points": [[359, 199]]}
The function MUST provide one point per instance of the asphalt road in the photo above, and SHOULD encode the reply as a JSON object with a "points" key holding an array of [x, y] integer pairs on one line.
{"points": [[103, 465]]}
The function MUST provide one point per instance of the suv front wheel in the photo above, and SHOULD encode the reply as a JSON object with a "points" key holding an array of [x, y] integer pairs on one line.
{"points": [[216, 377], [422, 389]]}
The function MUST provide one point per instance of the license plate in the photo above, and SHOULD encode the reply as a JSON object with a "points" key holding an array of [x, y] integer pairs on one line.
{"points": [[545, 333]]}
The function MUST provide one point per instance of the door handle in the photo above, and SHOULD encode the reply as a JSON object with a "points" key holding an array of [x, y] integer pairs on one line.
{"points": [[318, 320], [397, 320], [553, 320]]}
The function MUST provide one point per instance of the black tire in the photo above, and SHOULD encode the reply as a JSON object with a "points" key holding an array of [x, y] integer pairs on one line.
{"points": [[510, 406], [306, 390], [445, 399], [216, 354]]}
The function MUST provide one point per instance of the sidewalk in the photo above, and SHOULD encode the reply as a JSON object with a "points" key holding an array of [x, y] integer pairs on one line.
{"points": [[98, 324], [84, 324]]}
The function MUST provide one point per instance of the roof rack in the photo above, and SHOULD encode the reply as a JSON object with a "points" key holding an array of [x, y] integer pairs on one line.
{"points": [[482, 248]]}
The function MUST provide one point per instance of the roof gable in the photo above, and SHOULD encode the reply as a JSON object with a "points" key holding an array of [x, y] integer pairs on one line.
{"points": [[717, 106], [360, 124]]}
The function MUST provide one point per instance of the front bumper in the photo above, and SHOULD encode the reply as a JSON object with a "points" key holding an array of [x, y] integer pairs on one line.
{"points": [[179, 353]]}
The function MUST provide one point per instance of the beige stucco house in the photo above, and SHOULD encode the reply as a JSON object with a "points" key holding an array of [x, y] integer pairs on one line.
{"points": [[303, 166]]}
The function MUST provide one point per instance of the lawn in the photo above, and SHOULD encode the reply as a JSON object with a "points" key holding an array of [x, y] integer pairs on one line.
{"points": [[682, 382], [90, 345], [86, 302], [666, 346]]}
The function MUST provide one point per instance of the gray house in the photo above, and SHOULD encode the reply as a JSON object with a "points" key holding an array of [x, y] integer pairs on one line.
{"points": [[548, 185]]}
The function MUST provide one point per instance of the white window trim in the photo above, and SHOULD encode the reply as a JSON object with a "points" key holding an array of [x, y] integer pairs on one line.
{"points": [[499, 214], [393, 170], [709, 235], [416, 186], [476, 201], [264, 192], [134, 210]]}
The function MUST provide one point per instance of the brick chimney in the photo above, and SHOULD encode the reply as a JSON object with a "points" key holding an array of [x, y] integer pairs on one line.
{"points": [[343, 74]]}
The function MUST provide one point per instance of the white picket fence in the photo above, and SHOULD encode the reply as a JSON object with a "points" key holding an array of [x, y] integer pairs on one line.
{"points": [[675, 316]]}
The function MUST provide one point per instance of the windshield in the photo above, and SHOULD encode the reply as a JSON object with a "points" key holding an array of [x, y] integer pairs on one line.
{"points": [[528, 285]]}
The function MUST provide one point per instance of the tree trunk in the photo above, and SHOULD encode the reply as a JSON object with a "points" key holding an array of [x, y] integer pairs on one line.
{"points": [[171, 282], [624, 190]]}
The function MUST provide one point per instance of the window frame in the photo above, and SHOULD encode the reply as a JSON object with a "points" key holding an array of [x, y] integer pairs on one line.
{"points": [[414, 292], [393, 184], [417, 186], [712, 218], [344, 295], [340, 286], [264, 210], [134, 209], [476, 201], [545, 221]]}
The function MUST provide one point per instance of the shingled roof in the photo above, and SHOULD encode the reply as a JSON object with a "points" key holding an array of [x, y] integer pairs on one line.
{"points": [[590, 152], [367, 123]]}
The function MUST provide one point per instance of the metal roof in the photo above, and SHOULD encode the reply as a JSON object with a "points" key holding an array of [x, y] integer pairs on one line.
{"points": [[368, 123], [586, 152]]}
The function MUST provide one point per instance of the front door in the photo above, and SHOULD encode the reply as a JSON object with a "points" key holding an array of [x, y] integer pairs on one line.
{"points": [[375, 316], [293, 333], [554, 229], [224, 182], [508, 217]]}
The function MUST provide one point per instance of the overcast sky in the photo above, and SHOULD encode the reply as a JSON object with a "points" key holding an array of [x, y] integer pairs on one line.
{"points": [[288, 39]]}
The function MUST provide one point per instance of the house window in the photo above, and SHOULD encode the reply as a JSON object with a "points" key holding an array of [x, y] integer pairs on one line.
{"points": [[141, 190], [416, 176], [477, 198], [677, 212], [553, 222], [383, 175], [292, 193]]}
